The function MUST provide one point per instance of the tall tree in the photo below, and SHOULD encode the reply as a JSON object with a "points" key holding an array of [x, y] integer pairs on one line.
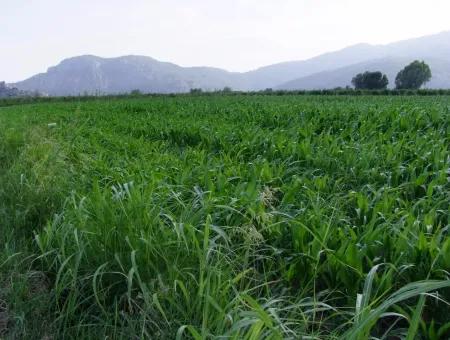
{"points": [[413, 76], [370, 81]]}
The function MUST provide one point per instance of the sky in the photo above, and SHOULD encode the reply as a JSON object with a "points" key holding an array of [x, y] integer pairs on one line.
{"points": [[237, 35]]}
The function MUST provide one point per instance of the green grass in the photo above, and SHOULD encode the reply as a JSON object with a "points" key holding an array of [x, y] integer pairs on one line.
{"points": [[237, 217]]}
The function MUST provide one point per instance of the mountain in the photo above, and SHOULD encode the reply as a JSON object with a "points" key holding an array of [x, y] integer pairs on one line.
{"points": [[342, 77], [436, 47], [273, 75], [91, 74]]}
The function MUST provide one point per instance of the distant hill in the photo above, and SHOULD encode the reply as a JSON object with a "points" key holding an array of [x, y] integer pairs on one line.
{"points": [[95, 75], [342, 77], [433, 47]]}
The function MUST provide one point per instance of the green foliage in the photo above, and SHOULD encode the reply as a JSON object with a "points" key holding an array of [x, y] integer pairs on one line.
{"points": [[136, 93], [225, 216], [347, 91], [196, 91], [370, 81], [413, 76]]}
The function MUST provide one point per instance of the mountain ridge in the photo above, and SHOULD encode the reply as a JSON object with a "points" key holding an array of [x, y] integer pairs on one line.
{"points": [[390, 66], [98, 75]]}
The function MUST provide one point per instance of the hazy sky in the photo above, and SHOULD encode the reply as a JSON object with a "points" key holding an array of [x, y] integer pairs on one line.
{"points": [[237, 35]]}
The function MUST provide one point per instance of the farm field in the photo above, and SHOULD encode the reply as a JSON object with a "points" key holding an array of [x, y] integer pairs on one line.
{"points": [[226, 216]]}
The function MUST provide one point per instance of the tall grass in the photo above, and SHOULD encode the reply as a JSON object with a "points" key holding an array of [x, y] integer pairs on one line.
{"points": [[226, 217]]}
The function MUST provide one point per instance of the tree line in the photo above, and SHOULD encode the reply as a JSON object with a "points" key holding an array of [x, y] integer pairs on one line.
{"points": [[413, 77], [13, 92]]}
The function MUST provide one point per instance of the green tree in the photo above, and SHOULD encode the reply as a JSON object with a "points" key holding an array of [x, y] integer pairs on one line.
{"points": [[136, 92], [196, 90], [413, 76], [370, 81]]}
